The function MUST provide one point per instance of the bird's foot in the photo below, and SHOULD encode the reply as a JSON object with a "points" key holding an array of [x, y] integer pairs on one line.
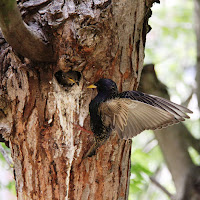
{"points": [[83, 129], [92, 151], [94, 147]]}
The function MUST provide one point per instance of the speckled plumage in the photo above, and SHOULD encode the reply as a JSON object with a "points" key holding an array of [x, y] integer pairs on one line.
{"points": [[129, 113]]}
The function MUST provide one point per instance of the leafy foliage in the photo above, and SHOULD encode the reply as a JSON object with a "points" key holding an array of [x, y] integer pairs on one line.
{"points": [[7, 183], [147, 161], [171, 47]]}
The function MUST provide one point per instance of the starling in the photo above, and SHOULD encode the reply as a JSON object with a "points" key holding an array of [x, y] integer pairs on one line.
{"points": [[129, 113], [67, 79]]}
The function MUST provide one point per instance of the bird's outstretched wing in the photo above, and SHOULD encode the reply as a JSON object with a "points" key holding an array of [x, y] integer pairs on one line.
{"points": [[177, 110], [130, 117]]}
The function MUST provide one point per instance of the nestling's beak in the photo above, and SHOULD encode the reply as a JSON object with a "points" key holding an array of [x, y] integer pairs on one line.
{"points": [[92, 86], [72, 80]]}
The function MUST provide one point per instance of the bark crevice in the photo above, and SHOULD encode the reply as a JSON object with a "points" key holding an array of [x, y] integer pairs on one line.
{"points": [[24, 39]]}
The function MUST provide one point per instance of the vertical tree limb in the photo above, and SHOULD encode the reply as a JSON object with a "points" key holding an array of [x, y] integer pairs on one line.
{"points": [[97, 39], [172, 140], [197, 31]]}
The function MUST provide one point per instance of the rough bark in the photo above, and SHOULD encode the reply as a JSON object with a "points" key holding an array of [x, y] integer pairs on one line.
{"points": [[26, 40], [174, 142], [43, 119]]}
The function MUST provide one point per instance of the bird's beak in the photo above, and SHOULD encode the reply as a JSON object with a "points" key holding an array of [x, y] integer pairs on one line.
{"points": [[92, 86], [73, 81]]}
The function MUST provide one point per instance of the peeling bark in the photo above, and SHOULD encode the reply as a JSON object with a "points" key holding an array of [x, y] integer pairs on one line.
{"points": [[47, 138], [26, 40]]}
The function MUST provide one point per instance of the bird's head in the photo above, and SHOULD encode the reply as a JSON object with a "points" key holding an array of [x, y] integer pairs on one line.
{"points": [[105, 86]]}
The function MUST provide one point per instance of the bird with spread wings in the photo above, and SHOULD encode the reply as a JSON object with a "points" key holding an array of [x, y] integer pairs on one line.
{"points": [[129, 113]]}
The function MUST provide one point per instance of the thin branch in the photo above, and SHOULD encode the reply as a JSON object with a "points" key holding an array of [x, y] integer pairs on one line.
{"points": [[192, 141], [24, 39], [151, 144], [171, 196], [5, 155], [187, 101]]}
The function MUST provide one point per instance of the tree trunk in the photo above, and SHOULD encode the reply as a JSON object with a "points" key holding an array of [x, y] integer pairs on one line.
{"points": [[174, 142], [43, 118], [197, 31]]}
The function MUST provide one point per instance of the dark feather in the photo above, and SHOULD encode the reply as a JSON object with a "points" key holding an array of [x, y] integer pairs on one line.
{"points": [[130, 112]]}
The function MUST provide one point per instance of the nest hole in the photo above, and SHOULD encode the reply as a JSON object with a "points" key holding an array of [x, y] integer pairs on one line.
{"points": [[68, 79]]}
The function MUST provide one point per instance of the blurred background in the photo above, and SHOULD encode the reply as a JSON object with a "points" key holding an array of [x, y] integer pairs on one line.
{"points": [[164, 162]]}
